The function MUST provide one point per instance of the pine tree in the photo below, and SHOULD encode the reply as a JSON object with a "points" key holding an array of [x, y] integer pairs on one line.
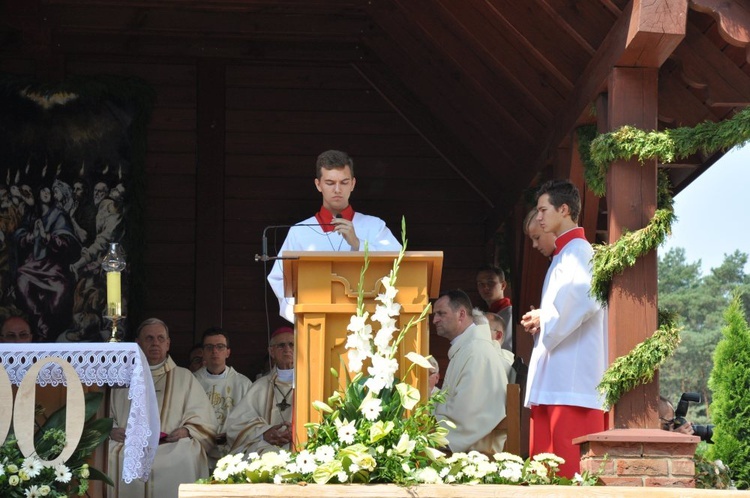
{"points": [[730, 383]]}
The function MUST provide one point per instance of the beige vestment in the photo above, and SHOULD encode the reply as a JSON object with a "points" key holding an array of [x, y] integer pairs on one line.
{"points": [[182, 403], [224, 392], [257, 412], [476, 382]]}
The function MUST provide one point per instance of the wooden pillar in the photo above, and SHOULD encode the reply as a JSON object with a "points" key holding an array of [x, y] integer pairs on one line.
{"points": [[631, 202], [209, 195]]}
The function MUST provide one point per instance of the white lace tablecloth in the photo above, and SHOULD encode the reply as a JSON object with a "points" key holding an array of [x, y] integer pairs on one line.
{"points": [[110, 364]]}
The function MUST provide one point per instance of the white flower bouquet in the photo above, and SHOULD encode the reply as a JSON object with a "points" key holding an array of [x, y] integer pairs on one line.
{"points": [[365, 435], [29, 477]]}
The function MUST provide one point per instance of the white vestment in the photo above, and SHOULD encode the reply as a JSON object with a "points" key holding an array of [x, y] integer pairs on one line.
{"points": [[570, 350], [223, 391], [476, 382], [182, 403], [257, 412], [313, 238]]}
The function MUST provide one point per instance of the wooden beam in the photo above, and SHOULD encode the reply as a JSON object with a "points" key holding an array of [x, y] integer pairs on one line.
{"points": [[706, 67], [622, 45], [732, 19], [209, 203], [655, 30]]}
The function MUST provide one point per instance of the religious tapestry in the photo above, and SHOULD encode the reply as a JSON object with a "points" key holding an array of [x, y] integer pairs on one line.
{"points": [[70, 158]]}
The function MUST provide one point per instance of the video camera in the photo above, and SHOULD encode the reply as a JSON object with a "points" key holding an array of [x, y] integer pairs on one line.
{"points": [[705, 432]]}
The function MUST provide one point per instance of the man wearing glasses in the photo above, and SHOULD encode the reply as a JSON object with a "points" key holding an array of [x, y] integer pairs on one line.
{"points": [[261, 421], [224, 386], [15, 329]]}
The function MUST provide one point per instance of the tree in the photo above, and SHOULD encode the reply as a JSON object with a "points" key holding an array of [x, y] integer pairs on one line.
{"points": [[730, 383], [700, 302]]}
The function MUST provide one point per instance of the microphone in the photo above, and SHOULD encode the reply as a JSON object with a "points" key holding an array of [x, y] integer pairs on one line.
{"points": [[264, 241]]}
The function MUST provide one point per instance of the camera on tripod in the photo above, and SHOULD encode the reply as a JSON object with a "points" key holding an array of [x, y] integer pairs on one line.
{"points": [[705, 432]]}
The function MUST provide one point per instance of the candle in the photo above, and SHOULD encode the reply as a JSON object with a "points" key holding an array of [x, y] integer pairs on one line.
{"points": [[114, 294], [113, 263]]}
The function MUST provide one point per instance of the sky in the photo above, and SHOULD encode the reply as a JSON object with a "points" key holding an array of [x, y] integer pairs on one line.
{"points": [[710, 212]]}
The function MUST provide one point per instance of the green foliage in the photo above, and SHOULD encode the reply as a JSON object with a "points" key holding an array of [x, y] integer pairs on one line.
{"points": [[668, 145], [700, 301], [612, 259], [730, 382], [710, 474], [638, 367], [26, 476]]}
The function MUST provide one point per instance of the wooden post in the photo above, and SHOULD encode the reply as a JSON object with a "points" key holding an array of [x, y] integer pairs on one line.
{"points": [[631, 202]]}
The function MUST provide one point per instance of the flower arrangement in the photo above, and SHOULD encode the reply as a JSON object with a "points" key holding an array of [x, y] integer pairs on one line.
{"points": [[365, 435], [29, 477]]}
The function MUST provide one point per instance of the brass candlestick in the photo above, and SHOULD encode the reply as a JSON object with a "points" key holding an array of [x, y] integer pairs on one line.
{"points": [[114, 319]]}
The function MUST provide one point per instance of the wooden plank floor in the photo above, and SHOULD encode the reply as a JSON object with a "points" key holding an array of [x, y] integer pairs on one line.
{"points": [[439, 491]]}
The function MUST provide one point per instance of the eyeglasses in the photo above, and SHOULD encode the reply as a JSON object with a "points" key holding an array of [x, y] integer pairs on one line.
{"points": [[280, 345], [217, 347], [23, 336]]}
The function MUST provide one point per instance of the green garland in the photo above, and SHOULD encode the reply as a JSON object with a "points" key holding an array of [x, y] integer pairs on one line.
{"points": [[668, 145], [597, 153], [638, 366]]}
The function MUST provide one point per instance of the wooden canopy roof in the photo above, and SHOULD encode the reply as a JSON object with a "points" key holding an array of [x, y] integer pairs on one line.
{"points": [[493, 86]]}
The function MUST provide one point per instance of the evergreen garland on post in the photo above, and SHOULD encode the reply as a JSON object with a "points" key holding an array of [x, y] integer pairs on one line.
{"points": [[638, 367], [730, 383], [597, 153]]}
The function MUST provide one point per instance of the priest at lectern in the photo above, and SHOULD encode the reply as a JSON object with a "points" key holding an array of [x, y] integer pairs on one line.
{"points": [[336, 227]]}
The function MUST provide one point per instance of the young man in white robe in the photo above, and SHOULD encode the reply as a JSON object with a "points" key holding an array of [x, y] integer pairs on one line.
{"points": [[188, 424], [261, 421], [224, 385], [476, 380], [336, 227], [570, 336]]}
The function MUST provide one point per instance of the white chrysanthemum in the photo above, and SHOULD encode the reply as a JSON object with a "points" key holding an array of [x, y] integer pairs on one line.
{"points": [[428, 475], [291, 467], [32, 492], [371, 408], [538, 468], [325, 453], [62, 473], [508, 457], [353, 468], [512, 472], [549, 458], [342, 477], [346, 431], [32, 466]]}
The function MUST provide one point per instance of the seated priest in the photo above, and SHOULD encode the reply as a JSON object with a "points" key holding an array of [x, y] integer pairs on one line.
{"points": [[224, 385], [261, 421], [188, 424], [476, 380]]}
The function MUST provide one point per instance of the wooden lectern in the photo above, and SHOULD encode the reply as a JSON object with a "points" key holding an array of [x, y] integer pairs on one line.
{"points": [[324, 285]]}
